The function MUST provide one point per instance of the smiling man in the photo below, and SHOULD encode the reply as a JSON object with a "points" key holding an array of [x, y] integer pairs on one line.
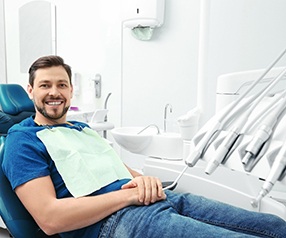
{"points": [[73, 183], [51, 94]]}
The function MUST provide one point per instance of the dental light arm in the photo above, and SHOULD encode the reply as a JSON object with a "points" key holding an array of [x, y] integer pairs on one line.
{"points": [[274, 174], [197, 152]]}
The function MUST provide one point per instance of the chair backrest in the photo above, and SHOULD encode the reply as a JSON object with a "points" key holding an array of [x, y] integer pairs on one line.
{"points": [[18, 221], [15, 105]]}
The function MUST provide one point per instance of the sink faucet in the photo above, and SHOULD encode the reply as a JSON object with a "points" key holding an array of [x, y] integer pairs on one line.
{"points": [[105, 105], [165, 115], [105, 118]]}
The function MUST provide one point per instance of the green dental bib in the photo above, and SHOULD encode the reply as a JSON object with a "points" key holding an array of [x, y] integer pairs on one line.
{"points": [[85, 161]]}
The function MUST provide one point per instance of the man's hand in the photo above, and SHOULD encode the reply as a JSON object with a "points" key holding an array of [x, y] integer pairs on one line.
{"points": [[148, 189]]}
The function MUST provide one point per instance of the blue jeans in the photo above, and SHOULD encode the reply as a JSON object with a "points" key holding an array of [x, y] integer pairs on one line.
{"points": [[187, 215]]}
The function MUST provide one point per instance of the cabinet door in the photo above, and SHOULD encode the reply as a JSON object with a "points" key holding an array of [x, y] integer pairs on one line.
{"points": [[30, 33]]}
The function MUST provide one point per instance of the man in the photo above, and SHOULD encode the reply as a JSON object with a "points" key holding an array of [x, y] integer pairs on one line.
{"points": [[131, 205]]}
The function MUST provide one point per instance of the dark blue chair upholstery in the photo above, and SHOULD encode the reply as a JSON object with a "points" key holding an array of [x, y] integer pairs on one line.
{"points": [[15, 105], [5, 123], [18, 221]]}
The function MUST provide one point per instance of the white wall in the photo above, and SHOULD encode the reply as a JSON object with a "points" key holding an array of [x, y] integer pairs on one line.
{"points": [[89, 39], [161, 71], [143, 76], [2, 44], [243, 35]]}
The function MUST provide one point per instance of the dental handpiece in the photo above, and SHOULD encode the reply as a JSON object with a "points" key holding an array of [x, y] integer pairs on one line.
{"points": [[232, 136], [226, 145], [221, 151], [274, 174], [261, 135], [196, 153], [220, 122], [264, 132], [229, 142]]}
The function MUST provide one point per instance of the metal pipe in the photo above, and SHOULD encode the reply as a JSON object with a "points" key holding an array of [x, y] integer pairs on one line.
{"points": [[105, 118]]}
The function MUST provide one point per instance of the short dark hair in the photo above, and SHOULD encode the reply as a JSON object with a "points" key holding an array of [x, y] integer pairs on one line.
{"points": [[46, 62]]}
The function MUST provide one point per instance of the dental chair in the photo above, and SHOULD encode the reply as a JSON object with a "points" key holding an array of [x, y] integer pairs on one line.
{"points": [[16, 106], [18, 221]]}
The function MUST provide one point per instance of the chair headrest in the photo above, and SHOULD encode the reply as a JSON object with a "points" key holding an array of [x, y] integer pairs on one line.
{"points": [[14, 99]]}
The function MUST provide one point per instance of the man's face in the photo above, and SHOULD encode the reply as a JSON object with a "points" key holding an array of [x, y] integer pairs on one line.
{"points": [[51, 93]]}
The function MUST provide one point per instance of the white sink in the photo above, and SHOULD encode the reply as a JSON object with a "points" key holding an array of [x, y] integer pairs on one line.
{"points": [[129, 139], [166, 146], [149, 142]]}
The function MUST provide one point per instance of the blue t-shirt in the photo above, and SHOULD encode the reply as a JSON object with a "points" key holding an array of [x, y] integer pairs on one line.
{"points": [[26, 158]]}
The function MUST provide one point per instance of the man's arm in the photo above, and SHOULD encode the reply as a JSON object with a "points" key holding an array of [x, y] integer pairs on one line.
{"points": [[58, 215]]}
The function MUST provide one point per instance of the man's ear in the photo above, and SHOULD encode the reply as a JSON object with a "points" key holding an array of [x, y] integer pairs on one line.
{"points": [[71, 91], [30, 91]]}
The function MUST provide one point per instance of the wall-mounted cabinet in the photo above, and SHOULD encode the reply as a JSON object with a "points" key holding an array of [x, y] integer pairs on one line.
{"points": [[37, 34], [30, 32]]}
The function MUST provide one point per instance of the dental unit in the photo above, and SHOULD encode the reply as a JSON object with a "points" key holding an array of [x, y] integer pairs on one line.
{"points": [[197, 152], [238, 128], [240, 152]]}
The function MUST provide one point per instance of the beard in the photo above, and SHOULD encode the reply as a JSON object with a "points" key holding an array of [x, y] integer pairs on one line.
{"points": [[54, 116]]}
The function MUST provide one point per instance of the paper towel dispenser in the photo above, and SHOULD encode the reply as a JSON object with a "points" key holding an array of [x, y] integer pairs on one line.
{"points": [[143, 13]]}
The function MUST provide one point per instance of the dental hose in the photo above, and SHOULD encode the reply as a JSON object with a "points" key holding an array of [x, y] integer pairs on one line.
{"points": [[174, 184]]}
